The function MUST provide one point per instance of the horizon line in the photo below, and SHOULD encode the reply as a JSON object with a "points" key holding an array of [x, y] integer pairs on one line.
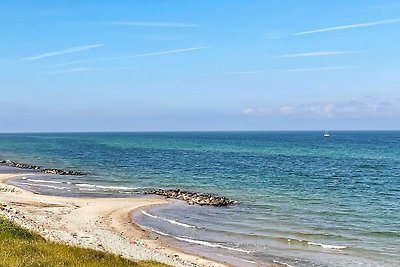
{"points": [[205, 131]]}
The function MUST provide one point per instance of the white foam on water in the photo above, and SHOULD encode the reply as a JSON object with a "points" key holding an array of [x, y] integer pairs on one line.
{"points": [[283, 263], [42, 181], [167, 220], [247, 261], [198, 242], [85, 185], [44, 185], [208, 244], [123, 188], [150, 229], [117, 187], [87, 189], [160, 233], [325, 245], [310, 243]]}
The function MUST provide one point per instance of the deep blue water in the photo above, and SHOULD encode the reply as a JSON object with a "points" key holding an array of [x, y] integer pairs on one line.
{"points": [[305, 200]]}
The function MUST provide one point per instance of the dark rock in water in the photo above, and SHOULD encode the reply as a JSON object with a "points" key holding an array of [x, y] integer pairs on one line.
{"points": [[62, 172], [193, 198], [38, 168], [19, 165]]}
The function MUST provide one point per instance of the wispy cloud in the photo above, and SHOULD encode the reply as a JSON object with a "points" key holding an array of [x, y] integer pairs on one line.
{"points": [[119, 58], [152, 54], [150, 24], [351, 26], [321, 69], [319, 53], [64, 51], [250, 72], [272, 71], [69, 70]]}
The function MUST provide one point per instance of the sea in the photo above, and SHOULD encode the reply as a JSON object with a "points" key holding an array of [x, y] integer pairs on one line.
{"points": [[303, 199]]}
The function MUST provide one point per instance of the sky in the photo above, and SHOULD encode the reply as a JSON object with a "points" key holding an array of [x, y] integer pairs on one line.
{"points": [[205, 65]]}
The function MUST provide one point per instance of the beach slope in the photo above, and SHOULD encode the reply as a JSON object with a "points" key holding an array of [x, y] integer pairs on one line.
{"points": [[98, 223]]}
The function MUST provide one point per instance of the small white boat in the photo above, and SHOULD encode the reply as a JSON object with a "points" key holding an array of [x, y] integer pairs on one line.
{"points": [[326, 134]]}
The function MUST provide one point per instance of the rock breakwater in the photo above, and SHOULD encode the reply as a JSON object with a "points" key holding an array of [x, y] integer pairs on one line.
{"points": [[40, 169], [193, 198]]}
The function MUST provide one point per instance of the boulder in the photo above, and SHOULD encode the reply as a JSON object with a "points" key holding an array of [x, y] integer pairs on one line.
{"points": [[38, 168], [193, 198]]}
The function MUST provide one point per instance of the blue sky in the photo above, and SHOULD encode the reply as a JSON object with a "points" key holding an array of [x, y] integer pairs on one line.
{"points": [[199, 65]]}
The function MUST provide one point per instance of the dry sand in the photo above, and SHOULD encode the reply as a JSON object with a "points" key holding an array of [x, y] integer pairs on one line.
{"points": [[97, 223]]}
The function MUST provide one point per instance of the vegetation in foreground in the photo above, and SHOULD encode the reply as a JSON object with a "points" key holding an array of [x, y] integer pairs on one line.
{"points": [[21, 247]]}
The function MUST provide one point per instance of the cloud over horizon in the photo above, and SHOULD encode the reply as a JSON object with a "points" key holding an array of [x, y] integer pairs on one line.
{"points": [[351, 108]]}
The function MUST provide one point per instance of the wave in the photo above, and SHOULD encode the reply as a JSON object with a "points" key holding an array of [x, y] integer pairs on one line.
{"points": [[393, 234], [247, 261], [117, 187], [326, 246], [160, 233], [282, 263], [44, 185], [208, 244], [85, 185], [42, 181], [194, 241], [87, 189], [123, 188], [167, 220], [316, 234], [310, 243]]}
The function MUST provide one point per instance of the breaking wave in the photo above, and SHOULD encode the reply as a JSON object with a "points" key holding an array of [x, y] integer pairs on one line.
{"points": [[167, 220], [121, 188]]}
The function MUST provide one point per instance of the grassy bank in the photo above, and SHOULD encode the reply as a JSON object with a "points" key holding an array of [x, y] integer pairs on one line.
{"points": [[21, 247]]}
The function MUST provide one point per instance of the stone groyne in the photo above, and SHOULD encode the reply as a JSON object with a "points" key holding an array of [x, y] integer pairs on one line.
{"points": [[40, 169], [193, 198]]}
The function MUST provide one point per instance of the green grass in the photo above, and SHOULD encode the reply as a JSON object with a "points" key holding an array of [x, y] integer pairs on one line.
{"points": [[21, 247]]}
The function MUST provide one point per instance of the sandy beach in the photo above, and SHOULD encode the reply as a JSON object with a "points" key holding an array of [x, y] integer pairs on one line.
{"points": [[97, 223]]}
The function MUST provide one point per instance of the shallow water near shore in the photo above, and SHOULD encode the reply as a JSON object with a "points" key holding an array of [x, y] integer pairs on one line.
{"points": [[304, 200]]}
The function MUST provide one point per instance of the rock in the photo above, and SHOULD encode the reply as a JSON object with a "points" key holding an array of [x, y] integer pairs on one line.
{"points": [[38, 168], [62, 172], [193, 198]]}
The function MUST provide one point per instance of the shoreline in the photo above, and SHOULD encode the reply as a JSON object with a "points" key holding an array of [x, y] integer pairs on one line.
{"points": [[99, 223]]}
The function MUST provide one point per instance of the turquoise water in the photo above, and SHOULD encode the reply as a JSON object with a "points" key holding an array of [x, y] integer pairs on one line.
{"points": [[305, 200]]}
